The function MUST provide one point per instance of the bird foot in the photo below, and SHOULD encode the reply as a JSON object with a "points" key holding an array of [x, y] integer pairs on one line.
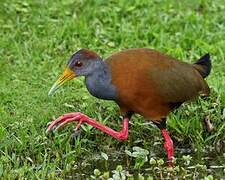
{"points": [[168, 147], [171, 161], [81, 118], [67, 118]]}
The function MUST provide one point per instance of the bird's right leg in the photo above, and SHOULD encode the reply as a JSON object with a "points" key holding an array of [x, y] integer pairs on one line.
{"points": [[81, 118], [168, 145]]}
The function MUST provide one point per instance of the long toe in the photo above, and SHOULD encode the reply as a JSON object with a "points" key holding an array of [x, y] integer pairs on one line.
{"points": [[68, 120], [61, 119]]}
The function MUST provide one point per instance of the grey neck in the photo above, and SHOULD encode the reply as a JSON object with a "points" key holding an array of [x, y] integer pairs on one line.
{"points": [[99, 82]]}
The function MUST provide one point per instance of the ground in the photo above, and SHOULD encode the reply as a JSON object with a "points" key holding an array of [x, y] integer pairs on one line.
{"points": [[37, 39]]}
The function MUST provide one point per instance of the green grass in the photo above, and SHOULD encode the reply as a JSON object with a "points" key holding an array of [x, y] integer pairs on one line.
{"points": [[37, 39]]}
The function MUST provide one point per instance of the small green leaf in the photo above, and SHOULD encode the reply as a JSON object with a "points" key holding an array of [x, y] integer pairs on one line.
{"points": [[97, 172], [105, 156]]}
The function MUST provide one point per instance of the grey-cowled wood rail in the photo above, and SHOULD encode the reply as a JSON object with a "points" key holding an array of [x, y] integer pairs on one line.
{"points": [[141, 81]]}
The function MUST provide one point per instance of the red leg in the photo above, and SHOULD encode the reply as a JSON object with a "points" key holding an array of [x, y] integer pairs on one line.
{"points": [[168, 146], [121, 135], [70, 117]]}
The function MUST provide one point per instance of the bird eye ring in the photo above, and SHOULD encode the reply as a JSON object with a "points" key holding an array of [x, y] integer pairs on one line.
{"points": [[78, 64]]}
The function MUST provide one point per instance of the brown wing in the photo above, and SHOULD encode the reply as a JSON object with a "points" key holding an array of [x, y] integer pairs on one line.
{"points": [[179, 82], [148, 81]]}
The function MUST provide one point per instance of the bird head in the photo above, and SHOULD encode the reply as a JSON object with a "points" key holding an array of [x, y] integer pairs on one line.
{"points": [[81, 63]]}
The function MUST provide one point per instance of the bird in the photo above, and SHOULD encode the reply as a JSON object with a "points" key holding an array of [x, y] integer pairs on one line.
{"points": [[140, 81]]}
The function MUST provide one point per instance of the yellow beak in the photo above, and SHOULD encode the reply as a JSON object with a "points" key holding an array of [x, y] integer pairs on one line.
{"points": [[67, 75]]}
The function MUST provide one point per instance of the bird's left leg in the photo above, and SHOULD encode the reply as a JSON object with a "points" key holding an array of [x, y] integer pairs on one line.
{"points": [[168, 141], [81, 118]]}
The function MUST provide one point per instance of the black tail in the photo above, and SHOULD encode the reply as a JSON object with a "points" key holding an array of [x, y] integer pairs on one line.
{"points": [[203, 65]]}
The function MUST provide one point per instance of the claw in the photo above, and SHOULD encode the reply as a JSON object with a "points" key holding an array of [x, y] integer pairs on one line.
{"points": [[67, 118], [68, 121], [78, 125], [61, 119], [81, 118]]}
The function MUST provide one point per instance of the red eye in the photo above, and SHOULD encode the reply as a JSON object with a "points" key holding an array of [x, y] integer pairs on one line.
{"points": [[78, 64]]}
